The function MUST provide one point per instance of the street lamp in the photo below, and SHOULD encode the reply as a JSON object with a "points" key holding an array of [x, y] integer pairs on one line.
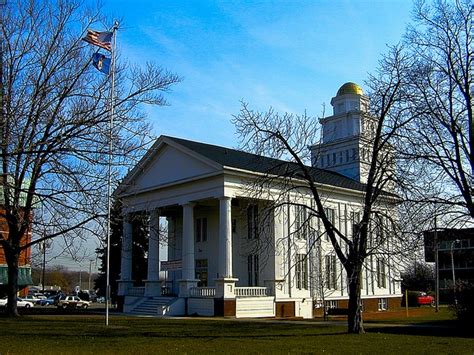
{"points": [[452, 267]]}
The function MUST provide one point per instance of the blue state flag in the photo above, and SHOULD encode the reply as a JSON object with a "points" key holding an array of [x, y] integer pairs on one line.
{"points": [[101, 62]]}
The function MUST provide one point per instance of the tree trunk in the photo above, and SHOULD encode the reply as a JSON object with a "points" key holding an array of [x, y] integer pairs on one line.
{"points": [[12, 287], [354, 317]]}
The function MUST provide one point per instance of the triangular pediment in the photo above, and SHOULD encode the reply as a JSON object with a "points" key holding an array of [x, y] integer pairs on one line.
{"points": [[167, 163]]}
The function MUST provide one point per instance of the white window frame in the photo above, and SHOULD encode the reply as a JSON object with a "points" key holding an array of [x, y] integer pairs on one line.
{"points": [[331, 216], [252, 221], [301, 222], [382, 304], [201, 230], [301, 272], [331, 272], [381, 273]]}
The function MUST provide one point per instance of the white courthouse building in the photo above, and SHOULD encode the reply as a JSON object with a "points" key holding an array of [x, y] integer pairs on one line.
{"points": [[227, 253]]}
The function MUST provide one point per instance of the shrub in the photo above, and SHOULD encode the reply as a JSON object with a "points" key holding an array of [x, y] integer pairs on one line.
{"points": [[465, 306]]}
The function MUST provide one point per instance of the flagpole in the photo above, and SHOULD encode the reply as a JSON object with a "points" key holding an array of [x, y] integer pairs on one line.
{"points": [[109, 182]]}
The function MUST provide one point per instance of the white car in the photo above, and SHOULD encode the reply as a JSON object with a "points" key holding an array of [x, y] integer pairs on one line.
{"points": [[32, 298], [19, 303], [71, 302]]}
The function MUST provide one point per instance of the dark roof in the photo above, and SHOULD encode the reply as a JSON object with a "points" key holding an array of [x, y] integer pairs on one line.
{"points": [[257, 163]]}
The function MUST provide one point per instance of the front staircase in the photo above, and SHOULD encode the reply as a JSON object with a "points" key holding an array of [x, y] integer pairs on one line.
{"points": [[158, 307]]}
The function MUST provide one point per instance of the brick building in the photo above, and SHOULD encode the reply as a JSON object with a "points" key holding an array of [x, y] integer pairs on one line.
{"points": [[24, 272]]}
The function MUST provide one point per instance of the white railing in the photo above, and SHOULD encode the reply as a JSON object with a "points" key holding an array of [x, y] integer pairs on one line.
{"points": [[136, 291], [202, 291], [250, 291]]}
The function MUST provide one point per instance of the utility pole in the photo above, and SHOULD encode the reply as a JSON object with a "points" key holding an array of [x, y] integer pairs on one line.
{"points": [[90, 273], [454, 274], [436, 263], [43, 244]]}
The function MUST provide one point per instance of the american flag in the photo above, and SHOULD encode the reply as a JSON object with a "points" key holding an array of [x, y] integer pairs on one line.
{"points": [[99, 39]]}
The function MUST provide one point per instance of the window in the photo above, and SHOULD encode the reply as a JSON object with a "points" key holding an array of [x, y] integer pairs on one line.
{"points": [[340, 107], [252, 222], [330, 214], [331, 279], [234, 225], [355, 219], [301, 222], [331, 304], [201, 230], [252, 266], [381, 275], [378, 229], [201, 272], [301, 272], [383, 304], [334, 158]]}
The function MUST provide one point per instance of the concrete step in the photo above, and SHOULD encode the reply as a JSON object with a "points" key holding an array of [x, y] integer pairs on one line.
{"points": [[152, 306]]}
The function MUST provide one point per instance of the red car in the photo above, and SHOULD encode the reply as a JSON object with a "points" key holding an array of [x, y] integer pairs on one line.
{"points": [[423, 299]]}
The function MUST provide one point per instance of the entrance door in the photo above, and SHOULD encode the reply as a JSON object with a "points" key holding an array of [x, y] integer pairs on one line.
{"points": [[201, 272]]}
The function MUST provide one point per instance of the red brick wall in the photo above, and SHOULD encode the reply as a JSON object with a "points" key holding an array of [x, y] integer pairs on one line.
{"points": [[226, 308], [370, 305], [284, 309], [25, 255]]}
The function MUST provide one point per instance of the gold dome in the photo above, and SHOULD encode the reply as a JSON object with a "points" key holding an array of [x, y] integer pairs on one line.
{"points": [[350, 88]]}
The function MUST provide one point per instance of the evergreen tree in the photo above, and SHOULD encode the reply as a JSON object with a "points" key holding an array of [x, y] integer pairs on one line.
{"points": [[139, 252]]}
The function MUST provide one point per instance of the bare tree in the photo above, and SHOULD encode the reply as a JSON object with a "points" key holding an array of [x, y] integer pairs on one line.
{"points": [[288, 136], [55, 126], [437, 147]]}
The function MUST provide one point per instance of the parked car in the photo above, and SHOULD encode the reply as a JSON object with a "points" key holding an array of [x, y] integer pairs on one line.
{"points": [[71, 302], [32, 298], [418, 298], [50, 301], [425, 299], [20, 303]]}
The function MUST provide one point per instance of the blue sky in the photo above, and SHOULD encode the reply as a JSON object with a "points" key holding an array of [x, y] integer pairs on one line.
{"points": [[290, 55]]}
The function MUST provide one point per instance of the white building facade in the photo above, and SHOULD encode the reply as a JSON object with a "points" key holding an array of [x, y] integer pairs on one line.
{"points": [[230, 254]]}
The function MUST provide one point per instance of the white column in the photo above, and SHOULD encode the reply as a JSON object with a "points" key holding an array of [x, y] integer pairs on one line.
{"points": [[188, 242], [188, 273], [126, 281], [225, 284], [152, 285], [154, 246], [225, 238]]}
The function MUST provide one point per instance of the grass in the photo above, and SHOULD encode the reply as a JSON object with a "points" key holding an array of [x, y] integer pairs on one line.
{"points": [[86, 334], [415, 315]]}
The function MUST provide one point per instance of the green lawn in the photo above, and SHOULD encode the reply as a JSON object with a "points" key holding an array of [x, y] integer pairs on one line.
{"points": [[79, 334]]}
